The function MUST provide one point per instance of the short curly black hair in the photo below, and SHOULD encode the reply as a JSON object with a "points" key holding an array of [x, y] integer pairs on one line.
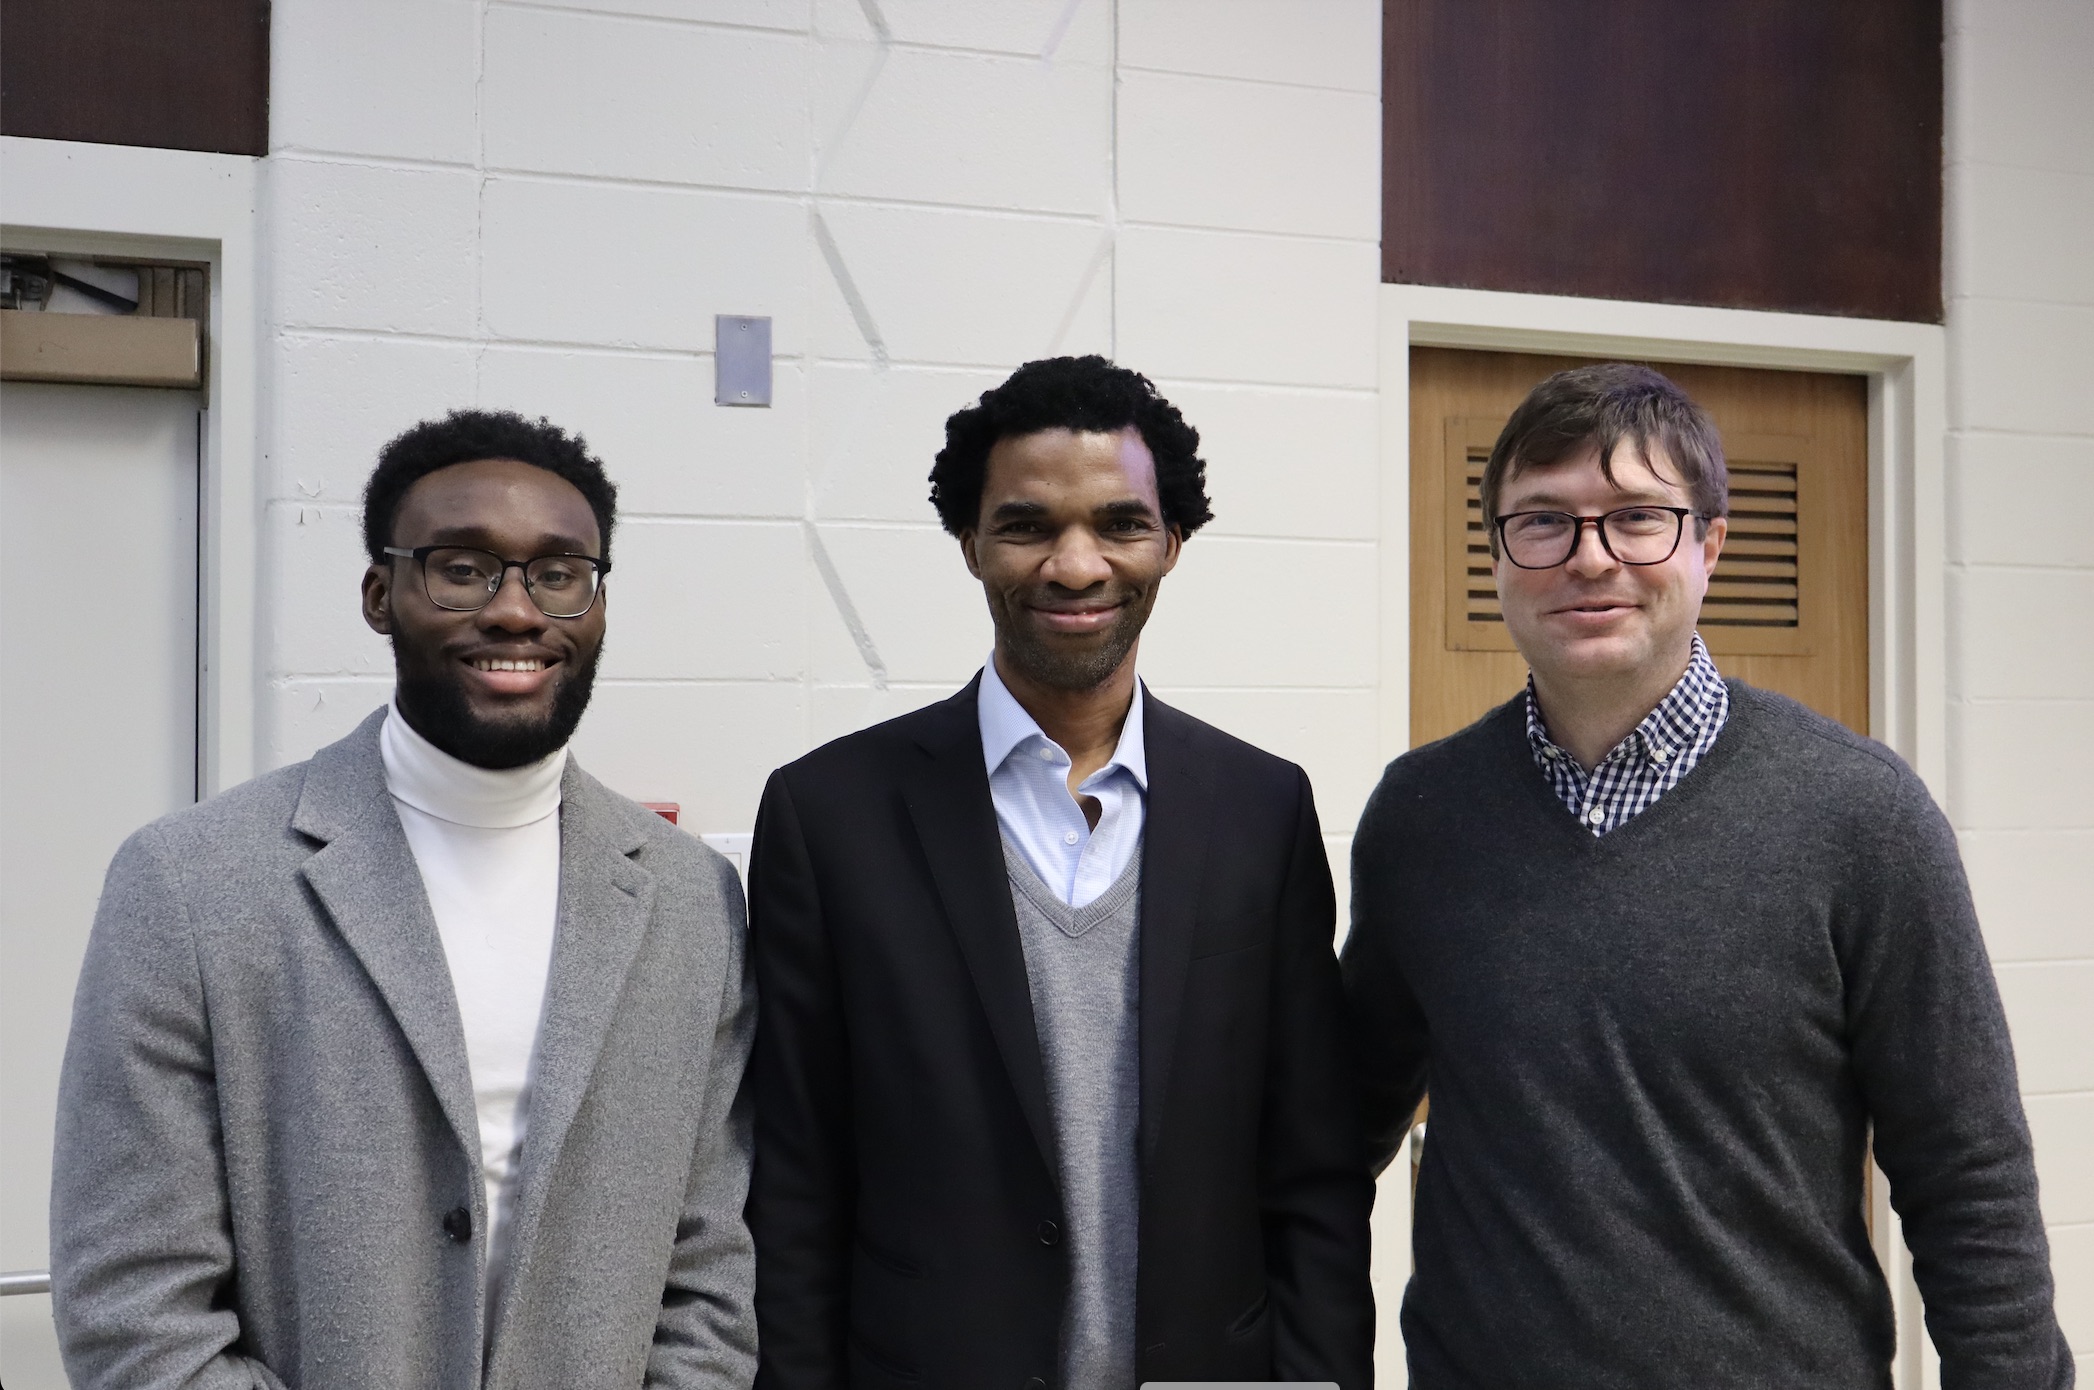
{"points": [[464, 436], [1087, 394]]}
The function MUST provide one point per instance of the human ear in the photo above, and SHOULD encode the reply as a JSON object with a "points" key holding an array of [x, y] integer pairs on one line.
{"points": [[378, 599], [1712, 541], [974, 564]]}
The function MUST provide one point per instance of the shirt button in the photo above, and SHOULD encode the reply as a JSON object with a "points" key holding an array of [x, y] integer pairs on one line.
{"points": [[1596, 816], [1659, 755], [1046, 755], [1549, 753], [1069, 837]]}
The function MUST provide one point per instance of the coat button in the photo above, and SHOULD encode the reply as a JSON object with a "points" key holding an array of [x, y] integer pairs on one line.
{"points": [[1049, 1234], [1035, 1383], [458, 1224]]}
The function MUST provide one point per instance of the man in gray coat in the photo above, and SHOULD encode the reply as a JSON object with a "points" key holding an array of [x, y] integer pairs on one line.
{"points": [[418, 1064]]}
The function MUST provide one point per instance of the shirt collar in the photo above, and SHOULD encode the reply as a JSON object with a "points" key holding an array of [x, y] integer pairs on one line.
{"points": [[432, 781], [1005, 726], [1672, 726], [1681, 715]]}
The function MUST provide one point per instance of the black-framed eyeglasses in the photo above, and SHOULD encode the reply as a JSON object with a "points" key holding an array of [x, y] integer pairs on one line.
{"points": [[1632, 535], [465, 580]]}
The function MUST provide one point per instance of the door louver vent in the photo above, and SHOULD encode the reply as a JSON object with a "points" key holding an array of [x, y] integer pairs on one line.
{"points": [[1755, 583]]}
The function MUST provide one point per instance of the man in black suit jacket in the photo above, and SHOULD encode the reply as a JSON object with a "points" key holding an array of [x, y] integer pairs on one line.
{"points": [[994, 1154]]}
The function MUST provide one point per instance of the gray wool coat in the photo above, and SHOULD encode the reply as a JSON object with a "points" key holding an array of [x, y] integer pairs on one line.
{"points": [[266, 1118]]}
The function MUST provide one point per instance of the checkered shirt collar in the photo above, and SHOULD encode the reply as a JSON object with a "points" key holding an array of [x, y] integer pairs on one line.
{"points": [[1675, 725]]}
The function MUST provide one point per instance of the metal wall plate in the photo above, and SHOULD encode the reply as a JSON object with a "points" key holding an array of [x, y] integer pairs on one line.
{"points": [[741, 360]]}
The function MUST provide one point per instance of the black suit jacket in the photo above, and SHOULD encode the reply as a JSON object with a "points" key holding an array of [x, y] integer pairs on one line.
{"points": [[905, 1203]]}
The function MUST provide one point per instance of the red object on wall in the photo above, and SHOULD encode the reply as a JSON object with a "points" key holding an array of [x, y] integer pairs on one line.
{"points": [[667, 810]]}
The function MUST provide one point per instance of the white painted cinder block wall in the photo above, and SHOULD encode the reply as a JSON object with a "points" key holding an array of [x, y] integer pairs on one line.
{"points": [[542, 206], [2020, 282]]}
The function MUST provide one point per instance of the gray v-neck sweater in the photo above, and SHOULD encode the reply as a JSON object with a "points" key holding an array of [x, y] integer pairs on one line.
{"points": [[1655, 1059], [1082, 964]]}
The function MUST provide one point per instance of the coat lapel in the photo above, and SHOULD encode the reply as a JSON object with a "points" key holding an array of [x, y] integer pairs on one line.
{"points": [[606, 901], [366, 878], [948, 798], [1174, 853]]}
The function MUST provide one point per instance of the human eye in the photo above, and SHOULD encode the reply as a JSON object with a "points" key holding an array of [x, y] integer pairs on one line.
{"points": [[1538, 523], [461, 567], [556, 574], [1642, 520]]}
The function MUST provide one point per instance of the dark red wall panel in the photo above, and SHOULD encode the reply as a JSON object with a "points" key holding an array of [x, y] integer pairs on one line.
{"points": [[177, 74], [1776, 154]]}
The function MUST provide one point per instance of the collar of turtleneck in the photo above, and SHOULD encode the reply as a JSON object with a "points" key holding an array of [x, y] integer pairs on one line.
{"points": [[432, 781]]}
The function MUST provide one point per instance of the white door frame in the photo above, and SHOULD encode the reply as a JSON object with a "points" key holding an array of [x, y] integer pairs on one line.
{"points": [[63, 195], [1905, 364]]}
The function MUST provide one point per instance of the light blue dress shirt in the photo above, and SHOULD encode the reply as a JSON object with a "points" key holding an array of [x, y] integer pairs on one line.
{"points": [[1029, 782]]}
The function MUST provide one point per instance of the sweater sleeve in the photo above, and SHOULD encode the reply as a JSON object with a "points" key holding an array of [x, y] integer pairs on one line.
{"points": [[1936, 1069], [1390, 1045]]}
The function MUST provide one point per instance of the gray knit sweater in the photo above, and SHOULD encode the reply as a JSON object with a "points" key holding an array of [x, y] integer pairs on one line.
{"points": [[1655, 1058], [1082, 964]]}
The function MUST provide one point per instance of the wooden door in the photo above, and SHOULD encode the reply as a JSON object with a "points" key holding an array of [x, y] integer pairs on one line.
{"points": [[1788, 605]]}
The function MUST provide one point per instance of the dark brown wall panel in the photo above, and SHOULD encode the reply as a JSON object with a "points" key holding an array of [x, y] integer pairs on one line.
{"points": [[1776, 154], [176, 74]]}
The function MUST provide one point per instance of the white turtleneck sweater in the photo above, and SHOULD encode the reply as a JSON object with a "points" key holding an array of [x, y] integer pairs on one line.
{"points": [[488, 846]]}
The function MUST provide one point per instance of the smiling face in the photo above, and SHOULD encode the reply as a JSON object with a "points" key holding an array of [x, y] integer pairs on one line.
{"points": [[505, 685], [1594, 620], [1070, 548]]}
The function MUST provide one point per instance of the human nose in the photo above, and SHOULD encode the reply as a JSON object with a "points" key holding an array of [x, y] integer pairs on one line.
{"points": [[512, 608], [1077, 561], [1589, 555]]}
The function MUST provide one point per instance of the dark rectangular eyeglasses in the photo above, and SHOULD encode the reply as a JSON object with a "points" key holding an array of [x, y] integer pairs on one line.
{"points": [[1632, 535], [465, 580]]}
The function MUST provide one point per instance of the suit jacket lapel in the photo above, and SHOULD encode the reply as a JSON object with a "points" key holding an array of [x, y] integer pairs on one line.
{"points": [[365, 876], [606, 901], [948, 798], [1174, 852]]}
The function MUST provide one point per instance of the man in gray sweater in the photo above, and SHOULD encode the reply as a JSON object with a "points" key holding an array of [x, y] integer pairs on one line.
{"points": [[1670, 950]]}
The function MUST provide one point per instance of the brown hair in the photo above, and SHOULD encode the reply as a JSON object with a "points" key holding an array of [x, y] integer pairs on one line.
{"points": [[1605, 404]]}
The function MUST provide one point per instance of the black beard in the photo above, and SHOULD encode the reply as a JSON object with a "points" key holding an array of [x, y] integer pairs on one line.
{"points": [[437, 710], [1060, 669]]}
